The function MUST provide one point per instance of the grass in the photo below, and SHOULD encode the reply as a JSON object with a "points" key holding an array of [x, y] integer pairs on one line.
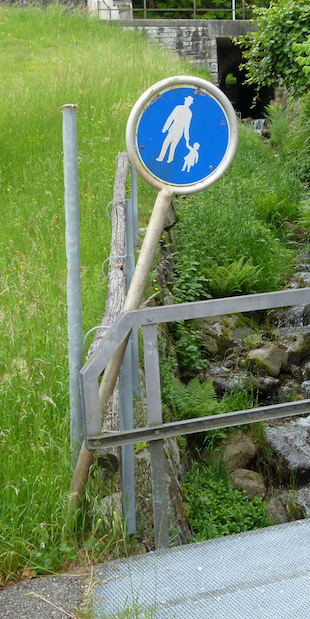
{"points": [[235, 231], [50, 57]]}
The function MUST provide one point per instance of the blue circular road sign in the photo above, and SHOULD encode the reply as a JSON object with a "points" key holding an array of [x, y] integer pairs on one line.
{"points": [[183, 133]]}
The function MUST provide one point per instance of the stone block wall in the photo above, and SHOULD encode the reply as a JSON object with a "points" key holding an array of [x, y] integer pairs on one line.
{"points": [[195, 40]]}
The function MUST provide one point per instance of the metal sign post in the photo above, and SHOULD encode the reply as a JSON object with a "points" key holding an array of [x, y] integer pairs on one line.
{"points": [[181, 137], [182, 134]]}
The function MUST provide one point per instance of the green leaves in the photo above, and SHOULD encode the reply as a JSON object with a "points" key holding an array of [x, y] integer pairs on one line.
{"points": [[303, 60], [215, 509], [269, 53], [194, 400]]}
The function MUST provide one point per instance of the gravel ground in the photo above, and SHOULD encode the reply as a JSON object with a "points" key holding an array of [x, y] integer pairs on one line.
{"points": [[62, 594]]}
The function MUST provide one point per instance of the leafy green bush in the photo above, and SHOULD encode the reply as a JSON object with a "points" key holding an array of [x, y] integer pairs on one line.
{"points": [[215, 509], [269, 51]]}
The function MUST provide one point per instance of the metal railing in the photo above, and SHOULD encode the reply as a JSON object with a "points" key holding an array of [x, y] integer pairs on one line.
{"points": [[194, 12], [156, 431]]}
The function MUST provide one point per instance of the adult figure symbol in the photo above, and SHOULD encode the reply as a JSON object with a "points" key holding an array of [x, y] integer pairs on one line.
{"points": [[177, 125]]}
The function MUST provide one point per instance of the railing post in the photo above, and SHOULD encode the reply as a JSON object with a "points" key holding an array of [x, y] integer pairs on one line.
{"points": [[128, 454], [144, 8], [194, 9], [130, 268], [74, 303], [153, 393]]}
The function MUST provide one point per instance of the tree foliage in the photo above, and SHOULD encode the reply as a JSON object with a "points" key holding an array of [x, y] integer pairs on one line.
{"points": [[303, 57], [269, 54]]}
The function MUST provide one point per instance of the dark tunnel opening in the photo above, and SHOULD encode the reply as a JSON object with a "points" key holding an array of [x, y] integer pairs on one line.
{"points": [[231, 80]]}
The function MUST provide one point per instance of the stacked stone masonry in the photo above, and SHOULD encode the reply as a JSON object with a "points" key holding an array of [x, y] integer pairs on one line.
{"points": [[195, 40]]}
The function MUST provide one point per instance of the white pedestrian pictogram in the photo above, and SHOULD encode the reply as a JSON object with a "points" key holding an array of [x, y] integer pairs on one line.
{"points": [[177, 125], [191, 158]]}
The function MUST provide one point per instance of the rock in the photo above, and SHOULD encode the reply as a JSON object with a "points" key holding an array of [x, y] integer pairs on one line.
{"points": [[296, 316], [266, 384], [302, 497], [170, 217], [110, 504], [237, 455], [250, 483], [296, 341], [276, 511], [288, 392], [305, 370], [269, 359], [219, 333], [305, 386], [228, 380], [290, 443]]}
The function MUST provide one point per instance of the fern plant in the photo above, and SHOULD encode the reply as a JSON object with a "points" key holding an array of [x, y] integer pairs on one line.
{"points": [[194, 400], [239, 276]]}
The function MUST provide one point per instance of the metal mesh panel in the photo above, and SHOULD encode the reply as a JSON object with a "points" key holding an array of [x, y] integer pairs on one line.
{"points": [[262, 574]]}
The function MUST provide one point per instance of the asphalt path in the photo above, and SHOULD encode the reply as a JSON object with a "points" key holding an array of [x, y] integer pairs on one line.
{"points": [[47, 597]]}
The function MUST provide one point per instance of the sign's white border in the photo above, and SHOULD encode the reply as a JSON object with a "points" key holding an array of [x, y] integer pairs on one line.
{"points": [[144, 100]]}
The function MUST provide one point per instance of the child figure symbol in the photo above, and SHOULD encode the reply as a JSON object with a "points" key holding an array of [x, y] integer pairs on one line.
{"points": [[191, 158]]}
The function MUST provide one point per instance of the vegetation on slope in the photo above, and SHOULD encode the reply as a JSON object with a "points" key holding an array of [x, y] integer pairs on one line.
{"points": [[50, 57]]}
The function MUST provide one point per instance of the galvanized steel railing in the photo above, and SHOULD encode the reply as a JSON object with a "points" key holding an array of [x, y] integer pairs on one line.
{"points": [[156, 431], [235, 11]]}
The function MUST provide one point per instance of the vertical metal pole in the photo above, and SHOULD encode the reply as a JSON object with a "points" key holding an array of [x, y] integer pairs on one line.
{"points": [[126, 395], [128, 454], [130, 269], [144, 7], [134, 200], [157, 453], [73, 274], [194, 9], [135, 231], [233, 8], [243, 9]]}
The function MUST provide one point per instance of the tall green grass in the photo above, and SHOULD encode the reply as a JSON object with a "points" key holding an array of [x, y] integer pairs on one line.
{"points": [[50, 57], [235, 233]]}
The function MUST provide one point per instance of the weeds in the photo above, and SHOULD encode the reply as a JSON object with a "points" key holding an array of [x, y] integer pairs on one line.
{"points": [[215, 509]]}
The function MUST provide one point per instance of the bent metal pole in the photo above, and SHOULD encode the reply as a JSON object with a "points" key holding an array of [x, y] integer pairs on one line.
{"points": [[132, 302]]}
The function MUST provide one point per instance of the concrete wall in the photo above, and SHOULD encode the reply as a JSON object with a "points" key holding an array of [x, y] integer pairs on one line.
{"points": [[195, 40]]}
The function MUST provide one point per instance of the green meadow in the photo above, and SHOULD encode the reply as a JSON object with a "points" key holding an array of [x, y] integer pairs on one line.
{"points": [[49, 58]]}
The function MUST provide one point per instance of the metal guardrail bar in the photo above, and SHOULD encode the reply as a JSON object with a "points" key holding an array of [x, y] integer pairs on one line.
{"points": [[202, 424], [184, 311], [233, 10], [121, 327], [156, 431], [157, 454]]}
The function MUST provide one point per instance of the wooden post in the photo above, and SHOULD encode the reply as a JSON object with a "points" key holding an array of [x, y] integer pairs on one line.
{"points": [[114, 304], [133, 300]]}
